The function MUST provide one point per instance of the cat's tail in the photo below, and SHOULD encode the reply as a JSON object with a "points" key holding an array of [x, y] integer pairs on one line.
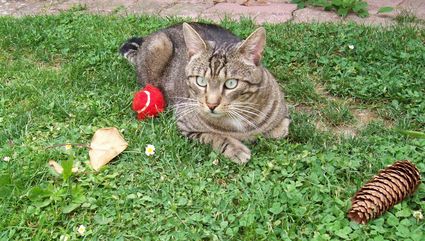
{"points": [[129, 49]]}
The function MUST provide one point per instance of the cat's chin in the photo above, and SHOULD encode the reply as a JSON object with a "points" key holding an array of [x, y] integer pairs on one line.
{"points": [[210, 114]]}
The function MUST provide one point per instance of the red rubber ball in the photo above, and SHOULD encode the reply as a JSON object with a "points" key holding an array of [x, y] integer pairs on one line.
{"points": [[148, 102]]}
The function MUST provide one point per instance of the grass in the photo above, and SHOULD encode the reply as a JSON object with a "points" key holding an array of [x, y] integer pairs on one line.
{"points": [[408, 17], [337, 114], [62, 79]]}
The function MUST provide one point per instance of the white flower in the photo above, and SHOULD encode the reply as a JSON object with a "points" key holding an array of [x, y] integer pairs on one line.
{"points": [[216, 162], [350, 46], [81, 229], [64, 238], [150, 150], [418, 215], [6, 158]]}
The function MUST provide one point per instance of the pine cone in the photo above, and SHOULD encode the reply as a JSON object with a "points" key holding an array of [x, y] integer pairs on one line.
{"points": [[389, 187]]}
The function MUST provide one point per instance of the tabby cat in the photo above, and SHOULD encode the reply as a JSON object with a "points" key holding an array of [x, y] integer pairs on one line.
{"points": [[215, 82]]}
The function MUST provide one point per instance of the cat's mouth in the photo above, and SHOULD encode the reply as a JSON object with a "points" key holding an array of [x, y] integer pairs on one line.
{"points": [[213, 113]]}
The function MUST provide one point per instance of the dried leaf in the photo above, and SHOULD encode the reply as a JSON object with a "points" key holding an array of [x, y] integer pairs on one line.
{"points": [[106, 144], [57, 168]]}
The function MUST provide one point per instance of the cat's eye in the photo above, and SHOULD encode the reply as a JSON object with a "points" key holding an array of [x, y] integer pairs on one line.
{"points": [[201, 81], [231, 83]]}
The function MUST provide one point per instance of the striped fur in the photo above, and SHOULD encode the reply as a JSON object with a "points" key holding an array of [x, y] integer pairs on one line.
{"points": [[194, 65], [129, 49]]}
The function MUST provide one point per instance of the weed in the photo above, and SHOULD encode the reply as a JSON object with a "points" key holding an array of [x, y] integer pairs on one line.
{"points": [[337, 114], [407, 17], [342, 7]]}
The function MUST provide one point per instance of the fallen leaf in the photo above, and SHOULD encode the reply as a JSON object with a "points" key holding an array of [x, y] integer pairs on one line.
{"points": [[106, 144], [56, 167]]}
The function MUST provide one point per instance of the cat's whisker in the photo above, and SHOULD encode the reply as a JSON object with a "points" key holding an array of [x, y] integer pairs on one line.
{"points": [[184, 105], [186, 101], [247, 107], [185, 114], [246, 104], [185, 111], [249, 115], [244, 119], [251, 118], [236, 119], [247, 121], [257, 114], [251, 111], [185, 98], [266, 86], [181, 97]]}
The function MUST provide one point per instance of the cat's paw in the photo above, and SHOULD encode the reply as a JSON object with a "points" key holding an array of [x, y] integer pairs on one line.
{"points": [[281, 130], [237, 152]]}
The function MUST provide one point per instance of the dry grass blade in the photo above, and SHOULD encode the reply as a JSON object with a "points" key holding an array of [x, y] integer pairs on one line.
{"points": [[56, 167]]}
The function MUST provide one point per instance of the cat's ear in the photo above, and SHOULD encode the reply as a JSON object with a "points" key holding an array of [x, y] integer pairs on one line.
{"points": [[252, 48], [194, 43]]}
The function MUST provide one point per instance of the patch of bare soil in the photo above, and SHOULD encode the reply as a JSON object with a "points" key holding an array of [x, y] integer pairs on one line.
{"points": [[362, 117]]}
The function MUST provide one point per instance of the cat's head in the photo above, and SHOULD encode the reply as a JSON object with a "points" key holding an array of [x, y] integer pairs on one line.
{"points": [[223, 77]]}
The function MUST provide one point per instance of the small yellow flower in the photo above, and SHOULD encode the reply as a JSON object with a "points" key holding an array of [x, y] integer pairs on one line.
{"points": [[6, 159], [81, 229], [150, 150], [68, 147]]}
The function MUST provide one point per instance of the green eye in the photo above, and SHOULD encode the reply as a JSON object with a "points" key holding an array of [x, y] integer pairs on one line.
{"points": [[231, 83], [201, 81]]}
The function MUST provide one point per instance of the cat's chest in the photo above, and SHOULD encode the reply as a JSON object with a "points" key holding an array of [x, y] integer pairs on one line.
{"points": [[234, 124]]}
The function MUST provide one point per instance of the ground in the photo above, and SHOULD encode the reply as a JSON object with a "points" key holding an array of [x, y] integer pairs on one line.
{"points": [[354, 93], [274, 11]]}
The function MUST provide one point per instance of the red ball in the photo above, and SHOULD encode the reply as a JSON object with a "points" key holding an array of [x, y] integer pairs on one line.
{"points": [[148, 102]]}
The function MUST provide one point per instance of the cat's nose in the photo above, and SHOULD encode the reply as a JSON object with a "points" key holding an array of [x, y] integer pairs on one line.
{"points": [[212, 106]]}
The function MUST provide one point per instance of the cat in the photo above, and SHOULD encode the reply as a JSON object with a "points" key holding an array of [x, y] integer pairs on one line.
{"points": [[220, 92]]}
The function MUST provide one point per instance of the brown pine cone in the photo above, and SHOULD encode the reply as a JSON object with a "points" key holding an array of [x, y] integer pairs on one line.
{"points": [[392, 185]]}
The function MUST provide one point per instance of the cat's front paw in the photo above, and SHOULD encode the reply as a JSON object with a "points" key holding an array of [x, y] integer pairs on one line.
{"points": [[280, 130], [237, 152]]}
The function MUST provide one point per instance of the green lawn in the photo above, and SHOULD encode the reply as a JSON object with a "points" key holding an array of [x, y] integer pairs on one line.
{"points": [[62, 78]]}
